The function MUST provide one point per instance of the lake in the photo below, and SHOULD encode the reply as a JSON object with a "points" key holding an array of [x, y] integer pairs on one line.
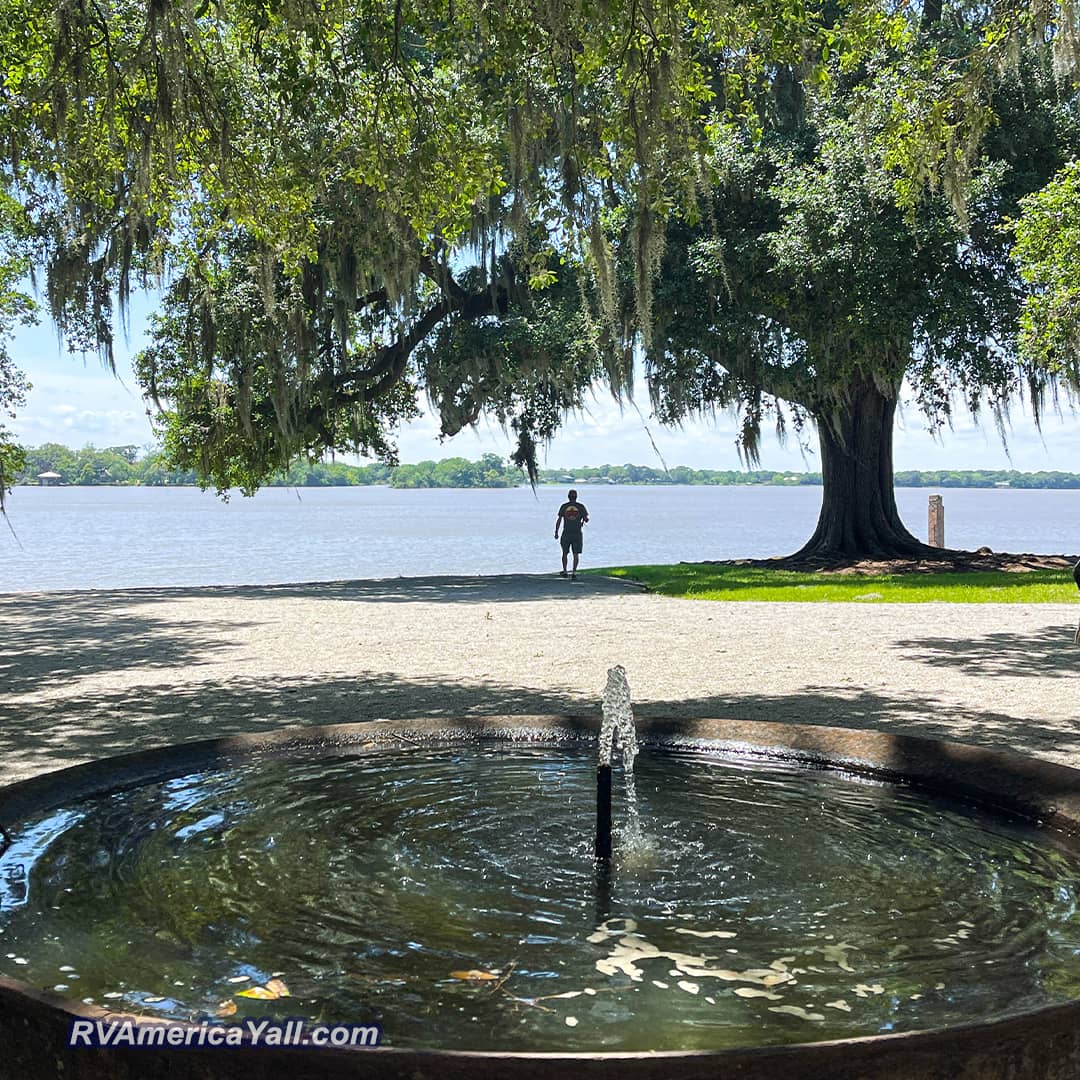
{"points": [[101, 538]]}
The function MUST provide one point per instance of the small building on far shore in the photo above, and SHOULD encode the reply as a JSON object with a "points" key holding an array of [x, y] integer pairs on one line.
{"points": [[47, 479]]}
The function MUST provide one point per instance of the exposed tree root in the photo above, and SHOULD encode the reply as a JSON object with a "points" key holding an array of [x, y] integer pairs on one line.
{"points": [[944, 561]]}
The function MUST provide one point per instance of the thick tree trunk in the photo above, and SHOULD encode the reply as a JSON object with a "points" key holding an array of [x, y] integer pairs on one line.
{"points": [[858, 509]]}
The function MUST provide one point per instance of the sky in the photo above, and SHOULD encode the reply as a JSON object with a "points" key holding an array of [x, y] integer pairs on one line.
{"points": [[76, 401]]}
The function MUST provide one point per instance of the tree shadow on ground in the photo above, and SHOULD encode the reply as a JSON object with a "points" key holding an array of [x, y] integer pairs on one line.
{"points": [[61, 636], [58, 638], [487, 588], [38, 737], [1045, 652]]}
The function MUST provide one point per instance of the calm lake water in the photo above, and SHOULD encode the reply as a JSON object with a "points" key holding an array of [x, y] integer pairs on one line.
{"points": [[100, 538]]}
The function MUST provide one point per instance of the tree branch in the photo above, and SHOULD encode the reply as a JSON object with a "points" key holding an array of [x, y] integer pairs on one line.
{"points": [[393, 359], [440, 275]]}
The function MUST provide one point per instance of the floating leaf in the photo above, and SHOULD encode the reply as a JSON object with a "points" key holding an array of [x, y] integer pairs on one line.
{"points": [[706, 933], [227, 1008], [689, 987], [277, 987], [750, 992], [259, 992], [777, 979], [840, 1004], [474, 976]]}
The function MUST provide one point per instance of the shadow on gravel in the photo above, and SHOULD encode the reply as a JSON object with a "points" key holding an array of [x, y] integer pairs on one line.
{"points": [[1046, 652], [55, 637], [35, 738], [487, 588]]}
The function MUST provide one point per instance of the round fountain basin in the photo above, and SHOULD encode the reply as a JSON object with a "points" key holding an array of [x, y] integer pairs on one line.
{"points": [[829, 899]]}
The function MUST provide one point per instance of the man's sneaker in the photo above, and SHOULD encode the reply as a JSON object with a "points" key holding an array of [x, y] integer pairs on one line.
{"points": [[562, 573], [573, 577]]}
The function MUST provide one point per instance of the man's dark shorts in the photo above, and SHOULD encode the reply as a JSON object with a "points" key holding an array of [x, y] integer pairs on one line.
{"points": [[571, 541]]}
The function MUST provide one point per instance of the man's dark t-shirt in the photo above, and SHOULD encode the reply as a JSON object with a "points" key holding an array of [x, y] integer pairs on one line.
{"points": [[573, 516]]}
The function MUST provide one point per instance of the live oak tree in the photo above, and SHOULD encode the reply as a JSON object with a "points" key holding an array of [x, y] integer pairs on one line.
{"points": [[316, 194], [807, 292], [457, 198]]}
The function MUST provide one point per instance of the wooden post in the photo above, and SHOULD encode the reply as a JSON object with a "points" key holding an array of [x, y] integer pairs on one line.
{"points": [[936, 529]]}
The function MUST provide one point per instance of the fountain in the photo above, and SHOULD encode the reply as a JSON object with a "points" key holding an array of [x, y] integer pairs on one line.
{"points": [[819, 901], [617, 722]]}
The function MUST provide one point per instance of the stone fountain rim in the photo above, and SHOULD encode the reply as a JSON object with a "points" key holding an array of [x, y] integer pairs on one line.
{"points": [[1002, 780]]}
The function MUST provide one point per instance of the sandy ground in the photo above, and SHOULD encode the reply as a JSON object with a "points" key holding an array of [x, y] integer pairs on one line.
{"points": [[92, 673]]}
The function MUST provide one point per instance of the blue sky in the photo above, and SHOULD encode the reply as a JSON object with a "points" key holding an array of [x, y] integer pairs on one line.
{"points": [[76, 401]]}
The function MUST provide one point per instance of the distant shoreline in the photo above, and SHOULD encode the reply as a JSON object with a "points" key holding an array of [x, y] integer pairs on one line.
{"points": [[1020, 482], [128, 466]]}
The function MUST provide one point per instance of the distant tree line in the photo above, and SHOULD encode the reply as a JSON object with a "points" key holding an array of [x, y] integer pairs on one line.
{"points": [[130, 465], [680, 474], [980, 478]]}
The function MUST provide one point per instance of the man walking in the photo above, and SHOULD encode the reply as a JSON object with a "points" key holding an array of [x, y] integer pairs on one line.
{"points": [[572, 515]]}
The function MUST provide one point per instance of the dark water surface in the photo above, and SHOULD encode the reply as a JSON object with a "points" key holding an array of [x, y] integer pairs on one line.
{"points": [[98, 538], [769, 904]]}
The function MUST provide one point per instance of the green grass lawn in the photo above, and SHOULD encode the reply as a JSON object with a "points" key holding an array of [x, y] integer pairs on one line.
{"points": [[699, 581]]}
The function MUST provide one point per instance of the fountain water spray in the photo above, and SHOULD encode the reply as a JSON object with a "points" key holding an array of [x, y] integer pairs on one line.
{"points": [[616, 731]]}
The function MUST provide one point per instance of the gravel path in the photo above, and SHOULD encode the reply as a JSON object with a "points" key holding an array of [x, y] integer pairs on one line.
{"points": [[92, 673]]}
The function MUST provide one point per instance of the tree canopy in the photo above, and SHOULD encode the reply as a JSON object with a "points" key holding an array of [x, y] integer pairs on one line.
{"points": [[496, 205], [320, 193], [809, 292]]}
